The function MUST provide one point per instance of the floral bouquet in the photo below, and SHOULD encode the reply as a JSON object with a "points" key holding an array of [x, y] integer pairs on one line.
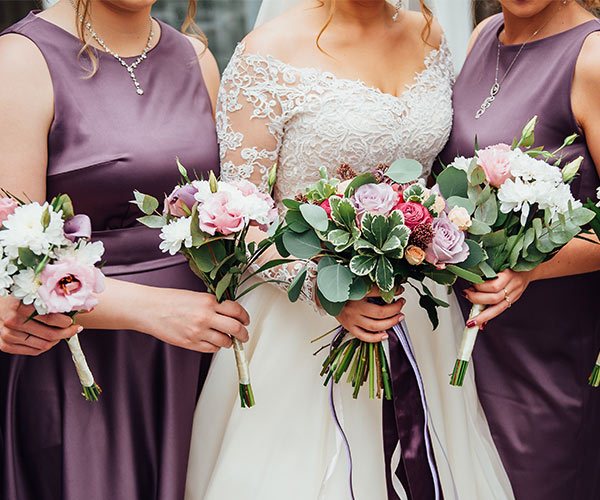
{"points": [[523, 212], [46, 260], [207, 221], [594, 379], [379, 229]]}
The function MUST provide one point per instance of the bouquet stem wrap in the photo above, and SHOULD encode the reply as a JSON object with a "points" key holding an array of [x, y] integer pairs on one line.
{"points": [[246, 394], [91, 391], [595, 376], [466, 348]]}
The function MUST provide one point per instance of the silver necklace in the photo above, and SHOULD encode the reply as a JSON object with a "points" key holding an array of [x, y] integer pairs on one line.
{"points": [[129, 67], [497, 83]]}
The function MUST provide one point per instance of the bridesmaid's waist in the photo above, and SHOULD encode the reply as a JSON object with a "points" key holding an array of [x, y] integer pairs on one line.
{"points": [[133, 250]]}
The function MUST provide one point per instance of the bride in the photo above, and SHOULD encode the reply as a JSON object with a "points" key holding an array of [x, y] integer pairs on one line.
{"points": [[326, 82]]}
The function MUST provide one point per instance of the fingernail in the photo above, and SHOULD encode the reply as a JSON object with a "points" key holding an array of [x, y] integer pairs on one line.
{"points": [[385, 337], [482, 326], [471, 323]]}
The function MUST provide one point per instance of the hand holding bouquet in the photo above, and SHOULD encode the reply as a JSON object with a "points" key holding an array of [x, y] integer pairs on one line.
{"points": [[46, 260], [208, 221], [523, 212], [379, 229]]}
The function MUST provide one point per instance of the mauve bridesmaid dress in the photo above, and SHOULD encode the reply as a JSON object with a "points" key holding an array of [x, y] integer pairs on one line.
{"points": [[533, 361], [104, 142]]}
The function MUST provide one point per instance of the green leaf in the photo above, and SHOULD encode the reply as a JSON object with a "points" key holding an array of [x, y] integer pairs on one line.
{"points": [[544, 244], [334, 283], [358, 289], [404, 171], [326, 262], [28, 258], [524, 265], [379, 230], [281, 249], [487, 270], [302, 245], [361, 265], [477, 176], [359, 180], [464, 274], [528, 240], [198, 237], [343, 212], [291, 204], [384, 274], [146, 203], [479, 228], [202, 258], [441, 276], [494, 239], [315, 216], [429, 305], [581, 216], [515, 252], [153, 221], [295, 288], [487, 211], [295, 221], [331, 308], [392, 243], [338, 237], [222, 286], [453, 182], [476, 255], [362, 244], [457, 201]]}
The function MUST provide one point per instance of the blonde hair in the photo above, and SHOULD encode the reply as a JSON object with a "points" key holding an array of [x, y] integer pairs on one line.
{"points": [[427, 14], [189, 28]]}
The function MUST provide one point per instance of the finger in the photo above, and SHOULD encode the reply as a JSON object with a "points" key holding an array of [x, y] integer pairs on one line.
{"points": [[490, 313], [23, 339], [374, 292], [56, 320], [234, 310], [229, 326], [495, 285], [485, 298], [219, 339], [49, 333], [377, 311], [372, 325], [19, 349], [206, 347], [365, 336]]}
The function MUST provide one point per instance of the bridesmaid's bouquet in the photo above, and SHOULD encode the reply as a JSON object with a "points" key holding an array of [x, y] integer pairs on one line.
{"points": [[46, 260], [378, 229], [523, 212], [594, 379], [207, 221]]}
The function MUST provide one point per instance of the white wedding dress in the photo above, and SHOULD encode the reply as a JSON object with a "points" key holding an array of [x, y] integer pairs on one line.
{"points": [[287, 446]]}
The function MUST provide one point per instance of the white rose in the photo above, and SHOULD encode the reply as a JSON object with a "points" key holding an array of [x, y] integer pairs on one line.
{"points": [[439, 205], [414, 255], [460, 218]]}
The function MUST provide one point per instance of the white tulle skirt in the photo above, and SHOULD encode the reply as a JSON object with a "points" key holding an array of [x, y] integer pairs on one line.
{"points": [[287, 446]]}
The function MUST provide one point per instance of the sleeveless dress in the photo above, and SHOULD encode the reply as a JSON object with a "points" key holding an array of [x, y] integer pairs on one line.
{"points": [[288, 446], [105, 141], [532, 362]]}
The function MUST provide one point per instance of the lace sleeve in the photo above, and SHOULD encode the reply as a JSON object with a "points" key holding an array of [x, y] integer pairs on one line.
{"points": [[254, 99]]}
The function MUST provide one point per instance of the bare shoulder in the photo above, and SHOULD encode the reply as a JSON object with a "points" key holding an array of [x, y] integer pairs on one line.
{"points": [[209, 67], [421, 30], [478, 29], [588, 63], [587, 79]]}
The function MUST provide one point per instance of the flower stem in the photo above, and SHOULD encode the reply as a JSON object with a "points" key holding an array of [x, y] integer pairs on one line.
{"points": [[595, 376], [466, 349]]}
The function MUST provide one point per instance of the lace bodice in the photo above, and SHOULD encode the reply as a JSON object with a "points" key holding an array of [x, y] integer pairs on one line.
{"points": [[305, 118]]}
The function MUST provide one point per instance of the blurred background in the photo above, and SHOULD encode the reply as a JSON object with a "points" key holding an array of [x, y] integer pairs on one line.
{"points": [[225, 22]]}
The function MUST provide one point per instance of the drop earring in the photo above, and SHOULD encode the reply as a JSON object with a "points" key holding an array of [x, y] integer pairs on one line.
{"points": [[400, 5]]}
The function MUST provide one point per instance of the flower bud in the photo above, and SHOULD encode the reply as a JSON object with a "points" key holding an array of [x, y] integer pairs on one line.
{"points": [[460, 218], [272, 176], [212, 182], [570, 170], [414, 255]]}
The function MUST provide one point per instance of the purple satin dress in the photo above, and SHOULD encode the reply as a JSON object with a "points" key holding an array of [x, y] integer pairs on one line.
{"points": [[105, 141], [533, 361]]}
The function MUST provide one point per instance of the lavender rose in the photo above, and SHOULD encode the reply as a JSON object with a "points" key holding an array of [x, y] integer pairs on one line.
{"points": [[182, 196], [374, 198], [448, 244]]}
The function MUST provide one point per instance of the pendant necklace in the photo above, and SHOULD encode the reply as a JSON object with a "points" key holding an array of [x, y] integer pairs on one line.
{"points": [[129, 67], [497, 83]]}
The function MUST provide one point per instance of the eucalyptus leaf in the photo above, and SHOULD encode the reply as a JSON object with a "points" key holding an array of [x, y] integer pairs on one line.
{"points": [[457, 201], [582, 216], [464, 274], [359, 180], [477, 176], [331, 308], [334, 283], [222, 287], [153, 221], [358, 289], [476, 255], [28, 258], [296, 222], [442, 276], [295, 288], [453, 182], [315, 216], [302, 245], [291, 204], [479, 228], [404, 171]]}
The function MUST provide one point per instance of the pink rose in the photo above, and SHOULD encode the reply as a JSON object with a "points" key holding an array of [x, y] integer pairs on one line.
{"points": [[181, 197], [69, 286], [217, 215], [448, 244], [7, 207], [495, 161], [415, 214]]}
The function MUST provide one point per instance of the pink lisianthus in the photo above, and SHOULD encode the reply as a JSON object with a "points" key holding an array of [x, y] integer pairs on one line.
{"points": [[448, 245], [415, 214], [374, 198], [7, 207], [181, 197], [218, 215], [495, 162], [246, 187], [69, 285]]}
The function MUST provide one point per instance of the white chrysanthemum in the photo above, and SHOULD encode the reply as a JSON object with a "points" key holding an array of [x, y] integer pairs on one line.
{"points": [[462, 163], [557, 200], [598, 196], [87, 253], [530, 169], [175, 234], [204, 191], [516, 195], [23, 229], [25, 288], [7, 269]]}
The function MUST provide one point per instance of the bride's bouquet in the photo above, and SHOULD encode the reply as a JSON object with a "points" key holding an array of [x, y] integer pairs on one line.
{"points": [[208, 221], [523, 212], [379, 229], [46, 260]]}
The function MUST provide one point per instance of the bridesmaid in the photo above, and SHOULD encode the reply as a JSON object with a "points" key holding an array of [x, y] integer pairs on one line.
{"points": [[75, 121], [533, 360]]}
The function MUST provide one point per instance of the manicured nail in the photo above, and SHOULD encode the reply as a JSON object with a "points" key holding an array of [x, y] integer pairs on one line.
{"points": [[79, 329], [482, 326], [471, 323], [385, 337]]}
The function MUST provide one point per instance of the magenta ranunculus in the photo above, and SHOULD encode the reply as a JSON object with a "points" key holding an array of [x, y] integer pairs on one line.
{"points": [[217, 215], [70, 285], [374, 198], [7, 207], [415, 214], [495, 162], [448, 245], [78, 226], [326, 205], [182, 196]]}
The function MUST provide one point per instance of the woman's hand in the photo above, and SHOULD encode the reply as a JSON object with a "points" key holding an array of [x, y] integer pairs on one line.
{"points": [[194, 321], [35, 336], [368, 322], [498, 294]]}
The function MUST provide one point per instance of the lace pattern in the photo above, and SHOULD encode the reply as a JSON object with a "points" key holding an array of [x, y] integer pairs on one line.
{"points": [[305, 118]]}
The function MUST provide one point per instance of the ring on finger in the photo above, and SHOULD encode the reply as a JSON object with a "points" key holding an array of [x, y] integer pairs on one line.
{"points": [[507, 299]]}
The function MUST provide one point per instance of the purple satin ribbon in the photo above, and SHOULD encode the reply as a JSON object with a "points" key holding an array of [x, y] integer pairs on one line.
{"points": [[405, 420]]}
